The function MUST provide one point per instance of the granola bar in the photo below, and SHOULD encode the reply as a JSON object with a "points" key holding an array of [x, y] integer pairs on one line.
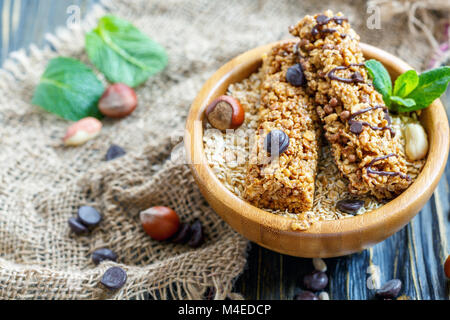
{"points": [[355, 119], [285, 183]]}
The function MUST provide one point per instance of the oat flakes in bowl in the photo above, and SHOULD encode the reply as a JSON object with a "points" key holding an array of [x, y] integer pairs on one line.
{"points": [[344, 181]]}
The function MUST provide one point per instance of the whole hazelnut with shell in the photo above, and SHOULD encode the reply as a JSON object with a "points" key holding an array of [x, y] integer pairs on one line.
{"points": [[225, 112]]}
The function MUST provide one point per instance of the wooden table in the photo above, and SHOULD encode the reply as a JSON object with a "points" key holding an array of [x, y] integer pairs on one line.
{"points": [[415, 254]]}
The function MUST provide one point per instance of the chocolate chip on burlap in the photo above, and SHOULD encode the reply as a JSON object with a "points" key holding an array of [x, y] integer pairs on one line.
{"points": [[43, 184]]}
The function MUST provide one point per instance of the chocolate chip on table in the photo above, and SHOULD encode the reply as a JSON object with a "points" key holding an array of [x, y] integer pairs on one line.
{"points": [[305, 295], [279, 137], [356, 127], [183, 235], [197, 235], [349, 206], [76, 226], [316, 281], [89, 216], [103, 254], [114, 278], [114, 152], [390, 289], [295, 75]]}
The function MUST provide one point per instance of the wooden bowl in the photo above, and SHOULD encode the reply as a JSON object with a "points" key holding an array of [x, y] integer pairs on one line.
{"points": [[327, 238]]}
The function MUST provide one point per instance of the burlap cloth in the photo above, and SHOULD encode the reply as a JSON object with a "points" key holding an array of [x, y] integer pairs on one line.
{"points": [[42, 183]]}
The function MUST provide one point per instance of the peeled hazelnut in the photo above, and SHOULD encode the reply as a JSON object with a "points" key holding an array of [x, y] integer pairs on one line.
{"points": [[82, 131], [118, 101], [160, 223], [225, 112], [416, 141]]}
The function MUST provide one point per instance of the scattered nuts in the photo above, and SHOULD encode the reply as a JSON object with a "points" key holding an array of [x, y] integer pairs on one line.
{"points": [[316, 280], [103, 254], [349, 206], [225, 112], [416, 141], [114, 152], [118, 101], [319, 264], [82, 131], [324, 296], [89, 216], [447, 267], [280, 140], [390, 289], [305, 295], [160, 223], [76, 226], [295, 75], [114, 278]]}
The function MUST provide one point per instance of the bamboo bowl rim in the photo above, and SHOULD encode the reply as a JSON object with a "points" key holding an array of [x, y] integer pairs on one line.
{"points": [[396, 211]]}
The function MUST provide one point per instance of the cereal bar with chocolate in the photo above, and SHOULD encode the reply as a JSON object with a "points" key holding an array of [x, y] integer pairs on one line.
{"points": [[288, 119], [354, 117]]}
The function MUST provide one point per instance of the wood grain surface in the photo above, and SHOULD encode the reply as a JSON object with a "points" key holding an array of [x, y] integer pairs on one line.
{"points": [[415, 254]]}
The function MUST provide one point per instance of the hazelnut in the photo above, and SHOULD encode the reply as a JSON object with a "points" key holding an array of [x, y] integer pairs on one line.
{"points": [[82, 131], [225, 112], [416, 141], [328, 109], [118, 101], [333, 102], [160, 223], [345, 115], [447, 267]]}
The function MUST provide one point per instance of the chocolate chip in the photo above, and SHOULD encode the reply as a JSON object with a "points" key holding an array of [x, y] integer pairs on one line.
{"points": [[114, 152], [103, 254], [356, 127], [76, 226], [295, 75], [89, 216], [114, 278], [349, 206], [316, 281], [322, 19], [305, 295], [390, 289], [197, 235], [183, 235], [278, 137]]}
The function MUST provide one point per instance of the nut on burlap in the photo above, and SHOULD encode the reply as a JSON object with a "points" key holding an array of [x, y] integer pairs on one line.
{"points": [[43, 184]]}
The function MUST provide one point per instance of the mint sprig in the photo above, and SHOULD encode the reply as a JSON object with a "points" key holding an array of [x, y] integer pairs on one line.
{"points": [[411, 91]]}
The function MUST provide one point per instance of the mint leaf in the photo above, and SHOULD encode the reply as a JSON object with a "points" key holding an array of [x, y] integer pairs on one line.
{"points": [[401, 104], [381, 79], [69, 89], [406, 83], [123, 53], [432, 84]]}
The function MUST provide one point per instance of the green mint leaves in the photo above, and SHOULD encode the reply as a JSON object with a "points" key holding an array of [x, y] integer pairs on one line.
{"points": [[69, 89], [381, 79], [123, 53], [119, 50], [411, 91]]}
